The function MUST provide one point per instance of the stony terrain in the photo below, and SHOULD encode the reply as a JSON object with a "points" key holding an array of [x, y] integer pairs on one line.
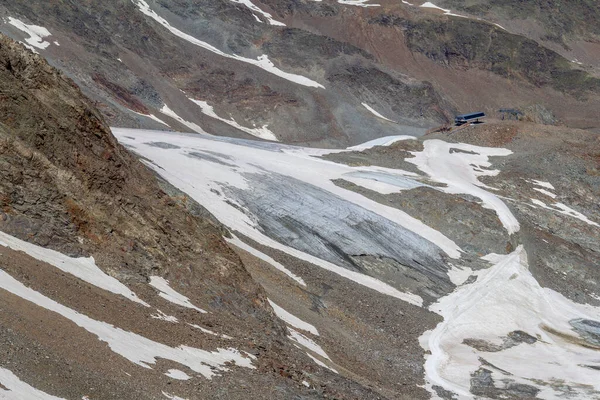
{"points": [[332, 63], [260, 257]]}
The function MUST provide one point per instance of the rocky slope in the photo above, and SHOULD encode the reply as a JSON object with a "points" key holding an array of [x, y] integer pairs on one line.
{"points": [[69, 191], [139, 263], [333, 63]]}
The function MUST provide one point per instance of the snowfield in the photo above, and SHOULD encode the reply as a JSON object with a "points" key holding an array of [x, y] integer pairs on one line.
{"points": [[506, 299]]}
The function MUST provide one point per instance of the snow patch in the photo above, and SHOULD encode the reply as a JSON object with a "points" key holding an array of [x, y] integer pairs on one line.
{"points": [[36, 34], [82, 268], [135, 348], [547, 193], [460, 171], [209, 331], [358, 3], [506, 298], [258, 254], [566, 210], [292, 320], [321, 363], [167, 293], [164, 317], [167, 111], [179, 375], [19, 390], [375, 113], [254, 8], [384, 141], [543, 184], [261, 62], [152, 116], [307, 343]]}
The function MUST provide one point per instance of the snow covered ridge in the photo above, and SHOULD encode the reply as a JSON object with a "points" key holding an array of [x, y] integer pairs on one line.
{"points": [[82, 268], [506, 319], [261, 62], [285, 181], [36, 34]]}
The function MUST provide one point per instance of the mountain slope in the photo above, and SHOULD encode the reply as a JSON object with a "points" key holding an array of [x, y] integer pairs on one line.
{"points": [[313, 80]]}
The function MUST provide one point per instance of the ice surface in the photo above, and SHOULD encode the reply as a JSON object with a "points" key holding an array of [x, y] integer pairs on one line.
{"points": [[293, 320], [19, 390], [135, 348], [167, 293], [261, 62], [82, 268]]}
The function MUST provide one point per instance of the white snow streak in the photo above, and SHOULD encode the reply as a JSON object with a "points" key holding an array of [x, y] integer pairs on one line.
{"points": [[82, 268], [566, 210], [255, 8], [321, 363], [368, 107], [358, 3], [258, 254], [263, 133], [151, 116], [167, 111], [546, 192], [209, 331], [18, 390], [36, 33], [293, 320], [167, 293], [261, 62], [135, 348], [307, 343], [460, 171]]}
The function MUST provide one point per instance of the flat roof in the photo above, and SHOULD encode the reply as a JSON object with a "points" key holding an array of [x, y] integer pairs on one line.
{"points": [[471, 115]]}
